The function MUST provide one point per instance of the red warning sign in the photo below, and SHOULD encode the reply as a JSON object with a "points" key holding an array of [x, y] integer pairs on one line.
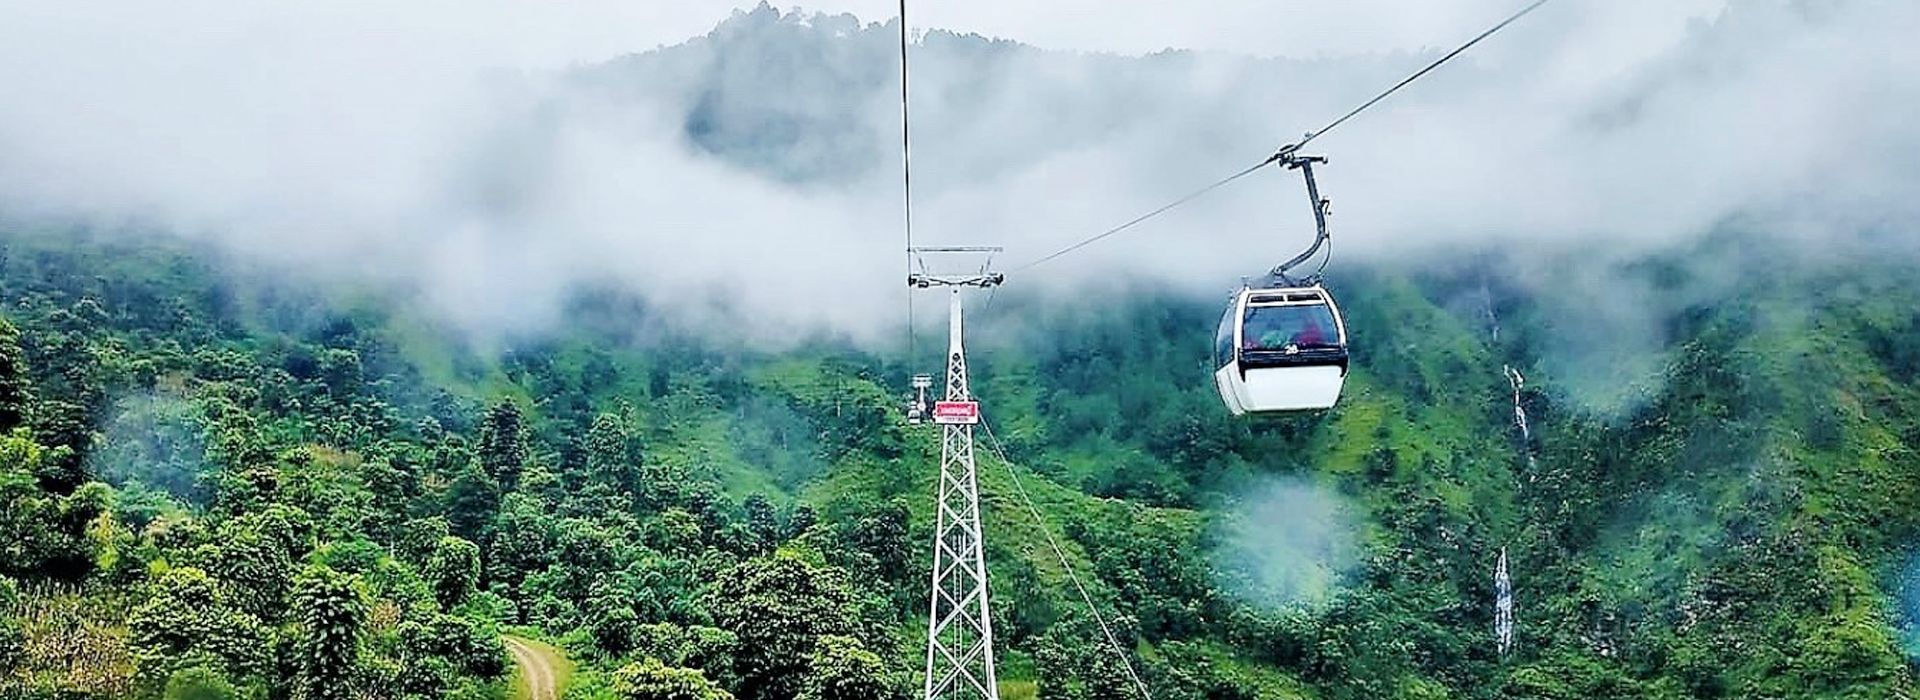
{"points": [[956, 412]]}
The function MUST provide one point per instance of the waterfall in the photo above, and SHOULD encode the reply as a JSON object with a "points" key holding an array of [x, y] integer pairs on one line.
{"points": [[1502, 607], [1502, 583], [1520, 414]]}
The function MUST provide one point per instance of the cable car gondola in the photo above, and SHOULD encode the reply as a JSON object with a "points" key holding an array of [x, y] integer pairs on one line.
{"points": [[1282, 345], [917, 407], [1256, 371], [1281, 349]]}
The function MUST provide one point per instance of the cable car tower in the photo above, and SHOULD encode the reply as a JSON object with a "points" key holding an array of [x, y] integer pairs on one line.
{"points": [[959, 625]]}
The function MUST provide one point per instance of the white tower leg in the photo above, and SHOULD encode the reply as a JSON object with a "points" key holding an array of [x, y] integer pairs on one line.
{"points": [[959, 626]]}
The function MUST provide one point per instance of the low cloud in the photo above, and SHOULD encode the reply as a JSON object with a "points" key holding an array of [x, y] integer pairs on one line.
{"points": [[749, 177], [1287, 543]]}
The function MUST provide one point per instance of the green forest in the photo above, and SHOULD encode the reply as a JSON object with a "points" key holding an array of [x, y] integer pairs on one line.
{"points": [[221, 481]]}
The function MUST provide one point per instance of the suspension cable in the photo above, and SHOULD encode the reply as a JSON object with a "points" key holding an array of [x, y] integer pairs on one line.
{"points": [[1041, 523], [1416, 76], [1196, 194], [906, 181], [1288, 150]]}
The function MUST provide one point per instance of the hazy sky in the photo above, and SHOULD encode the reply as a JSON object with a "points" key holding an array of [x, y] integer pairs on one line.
{"points": [[528, 34], [426, 140], [1255, 27]]}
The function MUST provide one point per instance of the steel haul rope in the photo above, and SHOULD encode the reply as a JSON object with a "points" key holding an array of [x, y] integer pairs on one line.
{"points": [[1288, 150], [1041, 522]]}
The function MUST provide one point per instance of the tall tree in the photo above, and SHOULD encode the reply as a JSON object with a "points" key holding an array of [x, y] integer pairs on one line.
{"points": [[882, 534], [522, 541], [43, 534], [841, 669], [709, 649], [472, 648], [16, 391], [612, 626], [801, 520], [418, 538], [652, 680], [331, 612], [454, 571], [473, 499], [256, 571], [763, 522], [188, 620], [779, 607], [612, 457], [503, 443]]}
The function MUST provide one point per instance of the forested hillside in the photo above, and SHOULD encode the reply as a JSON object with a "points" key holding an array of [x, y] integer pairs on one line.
{"points": [[219, 484], [228, 469]]}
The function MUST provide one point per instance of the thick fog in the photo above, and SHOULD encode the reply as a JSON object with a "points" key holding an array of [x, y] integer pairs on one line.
{"points": [[493, 156], [1288, 544]]}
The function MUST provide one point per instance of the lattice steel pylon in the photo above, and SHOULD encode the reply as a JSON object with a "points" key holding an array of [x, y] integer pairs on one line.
{"points": [[959, 621]]}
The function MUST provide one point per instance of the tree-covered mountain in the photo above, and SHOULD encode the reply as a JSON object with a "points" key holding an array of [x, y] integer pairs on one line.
{"points": [[228, 478], [219, 483]]}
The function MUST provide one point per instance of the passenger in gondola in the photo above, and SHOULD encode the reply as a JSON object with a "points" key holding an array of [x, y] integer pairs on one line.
{"points": [[1269, 329], [1267, 334], [1254, 334], [1311, 336], [1276, 339]]}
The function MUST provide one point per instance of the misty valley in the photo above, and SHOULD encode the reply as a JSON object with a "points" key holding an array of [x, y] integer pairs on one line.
{"points": [[601, 383]]}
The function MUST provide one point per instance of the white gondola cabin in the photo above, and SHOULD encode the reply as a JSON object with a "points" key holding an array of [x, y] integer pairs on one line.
{"points": [[1281, 349]]}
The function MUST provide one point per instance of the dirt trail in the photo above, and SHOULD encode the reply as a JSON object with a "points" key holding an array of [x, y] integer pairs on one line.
{"points": [[542, 671]]}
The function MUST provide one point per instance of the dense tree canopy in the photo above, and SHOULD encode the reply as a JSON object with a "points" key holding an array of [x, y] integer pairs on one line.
{"points": [[214, 486], [15, 390], [779, 607], [840, 669], [651, 680], [332, 612]]}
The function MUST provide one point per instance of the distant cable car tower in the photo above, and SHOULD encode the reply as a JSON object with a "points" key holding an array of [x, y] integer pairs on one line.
{"points": [[959, 625], [917, 408]]}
